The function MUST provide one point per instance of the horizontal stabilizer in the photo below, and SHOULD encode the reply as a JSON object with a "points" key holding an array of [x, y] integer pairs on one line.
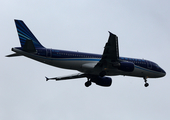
{"points": [[13, 55]]}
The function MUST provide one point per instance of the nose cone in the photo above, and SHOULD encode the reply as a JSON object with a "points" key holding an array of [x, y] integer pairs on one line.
{"points": [[163, 72]]}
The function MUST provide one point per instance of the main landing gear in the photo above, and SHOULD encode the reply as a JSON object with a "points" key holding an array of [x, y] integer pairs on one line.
{"points": [[89, 79], [146, 84], [88, 83]]}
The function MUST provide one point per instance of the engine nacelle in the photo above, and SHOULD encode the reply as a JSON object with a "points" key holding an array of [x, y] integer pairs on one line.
{"points": [[126, 66], [102, 81]]}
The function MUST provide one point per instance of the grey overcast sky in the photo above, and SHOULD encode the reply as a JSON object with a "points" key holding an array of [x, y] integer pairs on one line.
{"points": [[143, 29]]}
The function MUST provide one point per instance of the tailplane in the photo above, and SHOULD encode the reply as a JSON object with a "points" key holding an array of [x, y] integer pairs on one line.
{"points": [[28, 41], [13, 55]]}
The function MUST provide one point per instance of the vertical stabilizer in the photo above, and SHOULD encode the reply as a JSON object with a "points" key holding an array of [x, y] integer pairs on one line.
{"points": [[26, 35]]}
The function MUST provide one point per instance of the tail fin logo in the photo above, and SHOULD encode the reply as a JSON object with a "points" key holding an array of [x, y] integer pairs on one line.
{"points": [[25, 34]]}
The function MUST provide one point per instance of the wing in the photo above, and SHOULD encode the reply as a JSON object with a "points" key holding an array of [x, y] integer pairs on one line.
{"points": [[111, 52], [79, 75]]}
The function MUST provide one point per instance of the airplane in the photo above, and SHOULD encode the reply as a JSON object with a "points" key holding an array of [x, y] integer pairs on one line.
{"points": [[94, 67]]}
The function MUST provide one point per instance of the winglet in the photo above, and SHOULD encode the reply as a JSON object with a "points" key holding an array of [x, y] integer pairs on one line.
{"points": [[111, 33]]}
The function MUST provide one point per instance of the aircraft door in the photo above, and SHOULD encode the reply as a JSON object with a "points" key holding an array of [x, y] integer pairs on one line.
{"points": [[48, 52]]}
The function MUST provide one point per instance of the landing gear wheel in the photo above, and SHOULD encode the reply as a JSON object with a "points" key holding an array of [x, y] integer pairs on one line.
{"points": [[88, 83], [146, 84]]}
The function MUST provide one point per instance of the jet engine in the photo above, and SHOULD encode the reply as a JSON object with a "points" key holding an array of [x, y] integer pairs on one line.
{"points": [[126, 66], [102, 81]]}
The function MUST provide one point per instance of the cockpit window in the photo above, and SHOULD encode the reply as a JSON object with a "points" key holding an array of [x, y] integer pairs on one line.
{"points": [[157, 66]]}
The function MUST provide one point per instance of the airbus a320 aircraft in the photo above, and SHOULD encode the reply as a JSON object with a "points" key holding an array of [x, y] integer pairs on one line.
{"points": [[92, 66]]}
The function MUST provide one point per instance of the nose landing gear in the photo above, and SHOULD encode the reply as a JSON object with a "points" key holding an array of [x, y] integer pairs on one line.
{"points": [[145, 80], [88, 83]]}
